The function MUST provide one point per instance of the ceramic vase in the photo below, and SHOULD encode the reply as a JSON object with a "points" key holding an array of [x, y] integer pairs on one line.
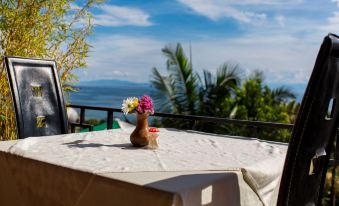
{"points": [[139, 137]]}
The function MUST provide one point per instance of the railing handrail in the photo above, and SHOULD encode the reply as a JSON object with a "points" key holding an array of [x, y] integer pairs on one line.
{"points": [[94, 107], [196, 117]]}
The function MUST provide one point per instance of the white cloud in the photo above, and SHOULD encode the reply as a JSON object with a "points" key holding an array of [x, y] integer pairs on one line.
{"points": [[334, 20], [284, 58], [119, 73], [332, 24], [111, 15], [216, 10], [280, 20], [285, 48], [336, 2], [74, 6], [261, 2], [123, 57]]}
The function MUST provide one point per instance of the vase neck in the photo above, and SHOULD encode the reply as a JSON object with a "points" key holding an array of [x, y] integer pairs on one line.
{"points": [[142, 121]]}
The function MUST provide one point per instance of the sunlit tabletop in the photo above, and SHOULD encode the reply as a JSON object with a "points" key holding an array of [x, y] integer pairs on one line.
{"points": [[102, 168]]}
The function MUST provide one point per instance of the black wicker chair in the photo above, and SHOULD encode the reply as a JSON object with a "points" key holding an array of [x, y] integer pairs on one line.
{"points": [[37, 97], [314, 132]]}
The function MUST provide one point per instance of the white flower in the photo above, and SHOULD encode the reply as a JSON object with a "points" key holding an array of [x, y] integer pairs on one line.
{"points": [[129, 104]]}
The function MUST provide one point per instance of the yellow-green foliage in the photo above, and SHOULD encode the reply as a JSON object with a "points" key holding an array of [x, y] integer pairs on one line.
{"points": [[42, 29]]}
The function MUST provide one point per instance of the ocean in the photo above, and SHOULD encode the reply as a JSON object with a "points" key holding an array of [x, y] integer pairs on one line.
{"points": [[111, 93], [107, 96]]}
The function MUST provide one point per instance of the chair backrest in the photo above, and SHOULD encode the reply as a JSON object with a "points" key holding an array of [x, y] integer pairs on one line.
{"points": [[37, 97], [314, 131]]}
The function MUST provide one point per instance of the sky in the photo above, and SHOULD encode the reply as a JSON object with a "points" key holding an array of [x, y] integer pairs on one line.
{"points": [[279, 37]]}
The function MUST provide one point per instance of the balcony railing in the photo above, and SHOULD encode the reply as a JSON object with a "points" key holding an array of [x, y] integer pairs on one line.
{"points": [[334, 161]]}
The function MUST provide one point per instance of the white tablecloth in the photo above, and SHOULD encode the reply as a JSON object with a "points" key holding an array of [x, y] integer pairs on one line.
{"points": [[109, 153]]}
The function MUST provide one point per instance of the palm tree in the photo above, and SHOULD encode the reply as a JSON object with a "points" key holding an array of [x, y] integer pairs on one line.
{"points": [[282, 94], [215, 92], [178, 91], [182, 91]]}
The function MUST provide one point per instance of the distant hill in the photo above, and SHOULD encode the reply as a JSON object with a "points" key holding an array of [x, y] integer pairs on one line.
{"points": [[111, 83]]}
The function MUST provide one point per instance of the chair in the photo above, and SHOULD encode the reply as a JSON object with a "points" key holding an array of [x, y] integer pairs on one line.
{"points": [[37, 97], [314, 131]]}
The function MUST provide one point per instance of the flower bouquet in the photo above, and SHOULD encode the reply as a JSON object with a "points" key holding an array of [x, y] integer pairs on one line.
{"points": [[142, 136]]}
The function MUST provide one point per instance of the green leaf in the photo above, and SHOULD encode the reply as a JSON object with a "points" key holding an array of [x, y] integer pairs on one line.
{"points": [[44, 29]]}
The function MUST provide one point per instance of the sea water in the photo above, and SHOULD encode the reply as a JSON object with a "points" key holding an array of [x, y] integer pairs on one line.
{"points": [[111, 96]]}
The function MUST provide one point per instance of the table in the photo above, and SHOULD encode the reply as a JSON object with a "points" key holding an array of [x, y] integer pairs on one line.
{"points": [[101, 168]]}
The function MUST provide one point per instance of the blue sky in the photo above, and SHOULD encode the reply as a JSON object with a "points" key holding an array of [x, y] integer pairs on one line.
{"points": [[279, 37]]}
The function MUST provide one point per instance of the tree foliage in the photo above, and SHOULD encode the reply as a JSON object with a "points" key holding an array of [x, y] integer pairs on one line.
{"points": [[180, 87], [183, 91], [215, 91], [258, 102], [42, 29]]}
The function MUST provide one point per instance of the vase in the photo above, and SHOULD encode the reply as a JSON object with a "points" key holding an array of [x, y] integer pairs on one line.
{"points": [[139, 137]]}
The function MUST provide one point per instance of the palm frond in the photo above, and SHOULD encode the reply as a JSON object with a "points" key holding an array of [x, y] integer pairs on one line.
{"points": [[228, 74], [282, 94], [164, 95], [258, 76], [208, 79], [185, 81]]}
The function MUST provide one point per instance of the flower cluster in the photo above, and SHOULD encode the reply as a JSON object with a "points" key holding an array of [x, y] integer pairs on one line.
{"points": [[144, 105], [129, 104]]}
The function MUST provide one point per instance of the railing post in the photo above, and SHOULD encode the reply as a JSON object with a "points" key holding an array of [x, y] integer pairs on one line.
{"points": [[82, 116], [257, 132], [91, 128], [109, 119], [194, 125], [254, 131], [72, 128]]}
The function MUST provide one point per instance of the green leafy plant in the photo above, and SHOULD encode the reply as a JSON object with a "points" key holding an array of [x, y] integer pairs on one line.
{"points": [[42, 29], [183, 91]]}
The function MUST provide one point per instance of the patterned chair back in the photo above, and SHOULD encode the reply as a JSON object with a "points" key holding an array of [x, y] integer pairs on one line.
{"points": [[37, 97]]}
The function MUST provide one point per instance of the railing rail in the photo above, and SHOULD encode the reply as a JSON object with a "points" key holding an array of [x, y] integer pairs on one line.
{"points": [[110, 110]]}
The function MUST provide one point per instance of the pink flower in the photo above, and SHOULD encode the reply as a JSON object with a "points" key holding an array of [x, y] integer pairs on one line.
{"points": [[145, 105]]}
